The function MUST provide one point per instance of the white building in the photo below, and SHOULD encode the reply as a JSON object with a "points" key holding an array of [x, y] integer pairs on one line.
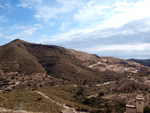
{"points": [[137, 108]]}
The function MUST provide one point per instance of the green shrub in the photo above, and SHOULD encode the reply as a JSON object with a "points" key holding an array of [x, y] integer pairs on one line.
{"points": [[108, 108], [80, 91], [120, 107], [101, 94], [6, 82], [146, 109]]}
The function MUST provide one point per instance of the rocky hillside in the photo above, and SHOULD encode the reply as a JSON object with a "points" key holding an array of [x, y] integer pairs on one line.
{"points": [[131, 84], [69, 65], [102, 64], [143, 62], [73, 78]]}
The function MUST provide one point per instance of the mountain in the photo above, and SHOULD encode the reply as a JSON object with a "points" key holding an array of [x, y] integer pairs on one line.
{"points": [[14, 57], [31, 73], [145, 62], [66, 64], [28, 58]]}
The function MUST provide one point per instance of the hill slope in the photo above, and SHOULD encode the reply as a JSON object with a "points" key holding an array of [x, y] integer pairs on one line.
{"points": [[143, 62], [28, 58], [70, 65], [13, 58]]}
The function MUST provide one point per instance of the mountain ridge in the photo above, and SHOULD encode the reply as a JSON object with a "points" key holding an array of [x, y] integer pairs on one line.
{"points": [[67, 64], [145, 62]]}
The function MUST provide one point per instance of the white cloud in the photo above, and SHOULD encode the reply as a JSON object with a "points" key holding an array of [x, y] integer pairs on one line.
{"points": [[124, 47], [1, 6], [44, 13], [46, 10], [91, 11], [3, 19], [25, 32], [133, 11], [29, 4], [91, 14], [17, 27], [66, 37], [1, 35], [5, 5], [114, 15], [30, 31], [131, 31], [114, 25], [63, 26]]}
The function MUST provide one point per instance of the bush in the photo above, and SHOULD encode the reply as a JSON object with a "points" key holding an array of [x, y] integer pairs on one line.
{"points": [[108, 108], [101, 94], [93, 102], [6, 82], [80, 91], [146, 109], [120, 107]]}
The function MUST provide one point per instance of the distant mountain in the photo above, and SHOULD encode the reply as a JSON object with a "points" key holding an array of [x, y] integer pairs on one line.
{"points": [[145, 62], [69, 65]]}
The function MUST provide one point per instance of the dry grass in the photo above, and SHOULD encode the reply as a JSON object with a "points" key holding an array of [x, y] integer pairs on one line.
{"points": [[28, 101], [64, 94]]}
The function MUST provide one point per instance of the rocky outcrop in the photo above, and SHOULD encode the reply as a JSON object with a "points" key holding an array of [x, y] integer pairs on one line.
{"points": [[129, 84]]}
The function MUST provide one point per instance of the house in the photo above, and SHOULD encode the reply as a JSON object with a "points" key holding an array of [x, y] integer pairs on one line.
{"points": [[137, 108]]}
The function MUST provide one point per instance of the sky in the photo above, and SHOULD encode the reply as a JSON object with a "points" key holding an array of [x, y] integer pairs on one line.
{"points": [[117, 28]]}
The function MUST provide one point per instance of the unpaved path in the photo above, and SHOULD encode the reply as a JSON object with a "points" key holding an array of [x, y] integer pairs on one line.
{"points": [[91, 66], [10, 87], [3, 110], [105, 83], [100, 85], [72, 110]]}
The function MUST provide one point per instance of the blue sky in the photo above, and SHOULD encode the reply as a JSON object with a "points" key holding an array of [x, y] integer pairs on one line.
{"points": [[118, 28]]}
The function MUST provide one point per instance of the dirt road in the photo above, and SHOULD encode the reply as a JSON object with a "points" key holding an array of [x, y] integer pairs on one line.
{"points": [[67, 108]]}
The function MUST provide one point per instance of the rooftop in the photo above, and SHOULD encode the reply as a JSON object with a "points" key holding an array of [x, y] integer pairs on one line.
{"points": [[130, 106], [139, 98]]}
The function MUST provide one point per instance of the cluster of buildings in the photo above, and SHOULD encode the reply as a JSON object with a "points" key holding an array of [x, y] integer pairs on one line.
{"points": [[137, 108]]}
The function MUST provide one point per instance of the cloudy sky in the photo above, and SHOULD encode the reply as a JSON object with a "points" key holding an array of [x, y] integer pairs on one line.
{"points": [[118, 28]]}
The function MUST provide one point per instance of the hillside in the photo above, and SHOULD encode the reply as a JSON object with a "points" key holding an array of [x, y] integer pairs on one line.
{"points": [[27, 58], [14, 57], [145, 62], [67, 65], [56, 78]]}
